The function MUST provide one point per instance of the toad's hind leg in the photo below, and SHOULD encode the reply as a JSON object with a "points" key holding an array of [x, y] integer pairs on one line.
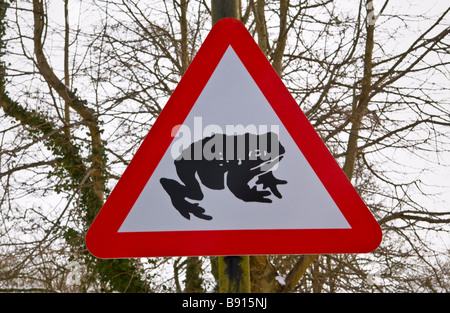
{"points": [[191, 190]]}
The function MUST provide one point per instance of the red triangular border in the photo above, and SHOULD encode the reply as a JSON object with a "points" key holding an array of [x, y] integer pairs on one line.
{"points": [[103, 239]]}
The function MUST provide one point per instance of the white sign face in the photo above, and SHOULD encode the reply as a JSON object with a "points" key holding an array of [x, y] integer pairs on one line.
{"points": [[231, 104]]}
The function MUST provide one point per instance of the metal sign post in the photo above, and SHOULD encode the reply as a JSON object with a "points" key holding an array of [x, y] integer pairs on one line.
{"points": [[234, 271]]}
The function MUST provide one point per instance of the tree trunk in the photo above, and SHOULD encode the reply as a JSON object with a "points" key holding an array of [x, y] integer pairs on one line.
{"points": [[261, 26], [194, 279], [277, 56], [263, 275], [363, 99]]}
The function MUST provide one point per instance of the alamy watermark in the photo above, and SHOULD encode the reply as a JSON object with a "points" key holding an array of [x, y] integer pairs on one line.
{"points": [[374, 278], [74, 276], [376, 275], [231, 143]]}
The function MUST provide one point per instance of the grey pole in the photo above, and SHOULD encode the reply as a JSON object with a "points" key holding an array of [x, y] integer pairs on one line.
{"points": [[225, 8], [234, 271]]}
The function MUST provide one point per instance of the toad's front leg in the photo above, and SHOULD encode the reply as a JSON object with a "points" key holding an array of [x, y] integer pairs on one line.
{"points": [[269, 181], [237, 182]]}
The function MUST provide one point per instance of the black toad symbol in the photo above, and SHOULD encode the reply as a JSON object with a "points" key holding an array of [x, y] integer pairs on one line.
{"points": [[240, 157]]}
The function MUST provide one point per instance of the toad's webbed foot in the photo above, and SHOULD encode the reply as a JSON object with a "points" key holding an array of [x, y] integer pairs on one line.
{"points": [[269, 181]]}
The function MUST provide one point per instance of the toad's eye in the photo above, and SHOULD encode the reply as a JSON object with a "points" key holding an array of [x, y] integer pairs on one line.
{"points": [[256, 153]]}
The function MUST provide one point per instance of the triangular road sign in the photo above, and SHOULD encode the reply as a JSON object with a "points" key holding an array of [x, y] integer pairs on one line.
{"points": [[232, 166]]}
